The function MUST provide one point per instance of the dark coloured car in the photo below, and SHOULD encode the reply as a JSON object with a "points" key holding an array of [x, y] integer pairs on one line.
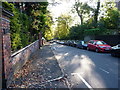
{"points": [[52, 41], [69, 43], [98, 46], [115, 51], [73, 43], [81, 44], [65, 42]]}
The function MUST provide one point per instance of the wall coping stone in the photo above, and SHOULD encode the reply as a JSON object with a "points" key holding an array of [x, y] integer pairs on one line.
{"points": [[6, 12], [23, 49], [4, 19]]}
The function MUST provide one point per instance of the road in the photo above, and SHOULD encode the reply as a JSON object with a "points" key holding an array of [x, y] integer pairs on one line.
{"points": [[87, 69]]}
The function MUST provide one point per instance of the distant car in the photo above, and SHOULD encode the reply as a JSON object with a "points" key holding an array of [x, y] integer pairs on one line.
{"points": [[98, 46], [61, 42], [69, 43], [57, 41], [52, 41], [81, 44], [73, 43], [115, 51], [65, 42]]}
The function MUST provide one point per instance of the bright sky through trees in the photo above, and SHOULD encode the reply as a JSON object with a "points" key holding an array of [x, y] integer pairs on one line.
{"points": [[65, 6]]}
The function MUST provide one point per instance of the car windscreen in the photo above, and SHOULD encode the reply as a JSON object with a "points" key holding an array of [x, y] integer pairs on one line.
{"points": [[100, 42]]}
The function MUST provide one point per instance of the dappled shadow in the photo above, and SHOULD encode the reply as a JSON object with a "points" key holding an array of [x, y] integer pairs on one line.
{"points": [[44, 67], [88, 64]]}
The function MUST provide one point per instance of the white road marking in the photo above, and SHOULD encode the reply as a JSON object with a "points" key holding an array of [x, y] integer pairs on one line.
{"points": [[84, 81], [104, 70], [53, 48]]}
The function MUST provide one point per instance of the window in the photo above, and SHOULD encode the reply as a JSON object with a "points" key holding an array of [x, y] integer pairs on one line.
{"points": [[91, 42], [100, 42]]}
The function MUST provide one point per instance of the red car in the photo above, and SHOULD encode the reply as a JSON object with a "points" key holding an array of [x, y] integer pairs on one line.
{"points": [[98, 46]]}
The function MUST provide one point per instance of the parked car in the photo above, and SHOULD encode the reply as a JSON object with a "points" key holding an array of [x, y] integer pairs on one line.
{"points": [[73, 43], [61, 42], [69, 43], [57, 41], [52, 41], [115, 51], [65, 42], [98, 46], [81, 44]]}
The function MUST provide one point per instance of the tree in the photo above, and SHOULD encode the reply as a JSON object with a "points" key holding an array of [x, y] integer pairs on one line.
{"points": [[28, 20], [111, 15], [77, 32], [63, 26], [82, 9], [48, 33], [111, 20], [37, 12], [96, 13]]}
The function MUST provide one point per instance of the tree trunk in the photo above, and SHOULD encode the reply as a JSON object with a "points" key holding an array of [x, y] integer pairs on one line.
{"points": [[97, 12], [80, 15], [81, 19]]}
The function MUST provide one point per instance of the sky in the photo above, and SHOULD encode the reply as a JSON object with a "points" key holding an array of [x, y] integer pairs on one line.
{"points": [[65, 6]]}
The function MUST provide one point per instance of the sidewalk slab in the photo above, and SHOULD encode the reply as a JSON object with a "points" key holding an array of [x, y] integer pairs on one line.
{"points": [[41, 68]]}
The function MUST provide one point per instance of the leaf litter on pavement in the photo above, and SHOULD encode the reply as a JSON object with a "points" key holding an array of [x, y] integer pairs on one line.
{"points": [[37, 70]]}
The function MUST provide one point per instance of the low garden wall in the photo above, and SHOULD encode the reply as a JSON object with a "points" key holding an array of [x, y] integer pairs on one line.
{"points": [[19, 58]]}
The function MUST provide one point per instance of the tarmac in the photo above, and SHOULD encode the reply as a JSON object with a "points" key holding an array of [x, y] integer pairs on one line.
{"points": [[41, 71]]}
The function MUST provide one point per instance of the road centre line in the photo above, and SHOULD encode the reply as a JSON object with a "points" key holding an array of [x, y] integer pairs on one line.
{"points": [[104, 70], [84, 81]]}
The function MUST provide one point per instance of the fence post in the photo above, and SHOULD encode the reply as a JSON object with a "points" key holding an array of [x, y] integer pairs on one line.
{"points": [[40, 39]]}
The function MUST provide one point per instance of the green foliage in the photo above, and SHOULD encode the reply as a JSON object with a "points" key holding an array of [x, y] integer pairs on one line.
{"points": [[24, 33], [8, 6], [63, 26], [83, 10], [27, 22], [15, 32], [77, 32], [111, 20], [48, 33]]}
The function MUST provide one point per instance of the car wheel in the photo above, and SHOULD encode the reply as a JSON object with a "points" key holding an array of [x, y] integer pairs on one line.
{"points": [[82, 47], [97, 50], [112, 54], [88, 48]]}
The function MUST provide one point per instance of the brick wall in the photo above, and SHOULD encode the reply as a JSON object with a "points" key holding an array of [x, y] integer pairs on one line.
{"points": [[5, 47], [0, 56], [6, 42], [7, 53]]}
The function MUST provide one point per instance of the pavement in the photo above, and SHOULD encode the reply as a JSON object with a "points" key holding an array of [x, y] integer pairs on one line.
{"points": [[41, 71]]}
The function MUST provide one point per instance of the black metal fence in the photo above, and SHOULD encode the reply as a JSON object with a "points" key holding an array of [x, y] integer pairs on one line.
{"points": [[109, 39]]}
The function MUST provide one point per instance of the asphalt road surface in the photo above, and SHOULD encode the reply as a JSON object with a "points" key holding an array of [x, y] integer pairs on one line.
{"points": [[87, 69]]}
